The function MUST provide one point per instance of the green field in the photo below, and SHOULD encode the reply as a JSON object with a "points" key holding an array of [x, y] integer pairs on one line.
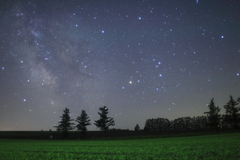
{"points": [[220, 146]]}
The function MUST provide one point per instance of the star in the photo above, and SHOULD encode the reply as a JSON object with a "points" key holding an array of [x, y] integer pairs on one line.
{"points": [[128, 56]]}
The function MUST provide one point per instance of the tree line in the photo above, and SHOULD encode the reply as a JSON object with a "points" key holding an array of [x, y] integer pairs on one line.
{"points": [[212, 120], [66, 123]]}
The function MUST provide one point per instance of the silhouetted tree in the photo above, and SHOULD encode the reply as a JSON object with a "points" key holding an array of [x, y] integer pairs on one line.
{"points": [[83, 121], [150, 125], [104, 122], [186, 123], [137, 128], [178, 124], [193, 123], [162, 124], [201, 122], [225, 124], [147, 125], [157, 124], [213, 115], [232, 112], [65, 124], [183, 123]]}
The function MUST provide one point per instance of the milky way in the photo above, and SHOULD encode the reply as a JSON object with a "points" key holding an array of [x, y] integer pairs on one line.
{"points": [[141, 59]]}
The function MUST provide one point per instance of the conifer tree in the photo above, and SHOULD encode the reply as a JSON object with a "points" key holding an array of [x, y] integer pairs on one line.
{"points": [[232, 110], [137, 128], [213, 115], [83, 121], [65, 124], [104, 122]]}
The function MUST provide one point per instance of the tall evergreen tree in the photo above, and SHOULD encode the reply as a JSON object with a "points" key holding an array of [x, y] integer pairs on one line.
{"points": [[104, 122], [65, 124], [213, 115], [137, 128], [83, 121], [232, 112]]}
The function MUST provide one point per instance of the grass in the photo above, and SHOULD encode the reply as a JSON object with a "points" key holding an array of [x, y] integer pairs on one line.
{"points": [[220, 146]]}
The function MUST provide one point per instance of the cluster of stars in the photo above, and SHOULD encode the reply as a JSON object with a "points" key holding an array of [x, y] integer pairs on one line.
{"points": [[155, 58]]}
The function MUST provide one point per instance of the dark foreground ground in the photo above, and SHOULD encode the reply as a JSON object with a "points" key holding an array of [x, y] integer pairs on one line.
{"points": [[204, 147], [116, 134]]}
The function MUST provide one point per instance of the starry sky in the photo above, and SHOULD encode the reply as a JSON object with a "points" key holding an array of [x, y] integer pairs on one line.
{"points": [[142, 59]]}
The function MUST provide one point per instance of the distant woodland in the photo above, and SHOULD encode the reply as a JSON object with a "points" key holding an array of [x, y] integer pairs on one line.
{"points": [[212, 120]]}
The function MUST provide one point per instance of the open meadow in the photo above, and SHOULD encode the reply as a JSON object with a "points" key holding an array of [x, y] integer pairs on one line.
{"points": [[219, 146]]}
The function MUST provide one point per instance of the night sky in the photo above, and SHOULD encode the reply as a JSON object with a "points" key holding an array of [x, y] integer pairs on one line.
{"points": [[142, 59]]}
